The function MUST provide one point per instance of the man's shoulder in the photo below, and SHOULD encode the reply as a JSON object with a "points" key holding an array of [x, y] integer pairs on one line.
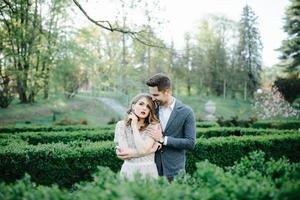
{"points": [[183, 106]]}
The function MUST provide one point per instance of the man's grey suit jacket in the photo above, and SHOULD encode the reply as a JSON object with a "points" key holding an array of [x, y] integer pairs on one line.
{"points": [[181, 133]]}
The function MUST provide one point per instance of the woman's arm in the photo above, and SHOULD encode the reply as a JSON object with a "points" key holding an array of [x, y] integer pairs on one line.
{"points": [[123, 151]]}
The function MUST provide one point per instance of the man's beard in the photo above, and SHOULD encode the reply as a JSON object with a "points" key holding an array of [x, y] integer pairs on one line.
{"points": [[159, 103]]}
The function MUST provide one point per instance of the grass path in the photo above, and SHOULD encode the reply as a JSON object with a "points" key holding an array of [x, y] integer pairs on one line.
{"points": [[80, 107]]}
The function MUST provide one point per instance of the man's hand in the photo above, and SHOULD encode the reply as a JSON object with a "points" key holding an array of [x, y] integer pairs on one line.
{"points": [[156, 146], [155, 132]]}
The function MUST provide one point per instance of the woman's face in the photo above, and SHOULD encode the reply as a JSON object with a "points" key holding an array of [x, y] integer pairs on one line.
{"points": [[142, 108]]}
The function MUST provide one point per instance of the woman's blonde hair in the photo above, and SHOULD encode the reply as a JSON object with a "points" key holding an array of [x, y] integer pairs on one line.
{"points": [[151, 118]]}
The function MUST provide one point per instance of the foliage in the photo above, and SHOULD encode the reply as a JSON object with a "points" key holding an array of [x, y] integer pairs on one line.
{"points": [[278, 124], [271, 104], [209, 55], [30, 31], [253, 177], [288, 87], [78, 157], [249, 49], [290, 54], [236, 122]]}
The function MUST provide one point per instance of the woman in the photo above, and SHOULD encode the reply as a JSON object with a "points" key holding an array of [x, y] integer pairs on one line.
{"points": [[132, 135]]}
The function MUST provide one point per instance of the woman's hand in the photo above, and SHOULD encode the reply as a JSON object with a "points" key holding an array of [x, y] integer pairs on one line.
{"points": [[123, 153], [133, 117]]}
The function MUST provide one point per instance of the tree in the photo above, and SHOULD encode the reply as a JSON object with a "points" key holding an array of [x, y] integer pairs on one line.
{"points": [[187, 63], [50, 29], [211, 54], [249, 49], [290, 48], [29, 41]]}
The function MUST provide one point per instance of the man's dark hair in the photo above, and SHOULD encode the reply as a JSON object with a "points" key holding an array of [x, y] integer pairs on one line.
{"points": [[161, 81]]}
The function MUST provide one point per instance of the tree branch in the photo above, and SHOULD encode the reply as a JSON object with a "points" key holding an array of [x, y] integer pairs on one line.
{"points": [[8, 4], [137, 35]]}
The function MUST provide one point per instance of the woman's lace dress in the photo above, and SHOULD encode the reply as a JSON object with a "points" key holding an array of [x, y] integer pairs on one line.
{"points": [[144, 165]]}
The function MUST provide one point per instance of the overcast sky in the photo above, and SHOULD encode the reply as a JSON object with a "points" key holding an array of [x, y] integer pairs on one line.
{"points": [[183, 16]]}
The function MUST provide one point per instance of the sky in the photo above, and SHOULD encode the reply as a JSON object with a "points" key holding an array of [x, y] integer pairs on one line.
{"points": [[183, 15]]}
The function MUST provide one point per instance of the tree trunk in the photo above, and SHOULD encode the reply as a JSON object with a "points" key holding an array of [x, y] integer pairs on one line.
{"points": [[46, 83], [245, 91], [189, 86], [224, 89]]}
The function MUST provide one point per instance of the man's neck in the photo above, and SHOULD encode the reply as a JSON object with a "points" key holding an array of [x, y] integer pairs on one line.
{"points": [[169, 101]]}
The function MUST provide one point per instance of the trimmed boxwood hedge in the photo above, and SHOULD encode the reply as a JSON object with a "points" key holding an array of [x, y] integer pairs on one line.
{"points": [[223, 151], [59, 163], [75, 161], [278, 124], [10, 129], [61, 136], [237, 131], [35, 138]]}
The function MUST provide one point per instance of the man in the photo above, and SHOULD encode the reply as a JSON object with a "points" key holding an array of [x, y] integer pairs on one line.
{"points": [[178, 125]]}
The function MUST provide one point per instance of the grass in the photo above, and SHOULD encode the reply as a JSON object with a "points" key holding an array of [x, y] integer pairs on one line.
{"points": [[41, 113], [225, 108]]}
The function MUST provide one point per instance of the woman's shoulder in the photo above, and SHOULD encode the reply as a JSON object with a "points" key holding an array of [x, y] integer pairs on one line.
{"points": [[120, 123]]}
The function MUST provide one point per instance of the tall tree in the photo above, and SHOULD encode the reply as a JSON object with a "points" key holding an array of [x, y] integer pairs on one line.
{"points": [[249, 49], [290, 47], [30, 38], [55, 13], [187, 63], [210, 54], [21, 22]]}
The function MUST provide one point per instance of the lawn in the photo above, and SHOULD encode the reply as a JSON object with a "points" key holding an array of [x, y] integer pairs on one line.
{"points": [[95, 113]]}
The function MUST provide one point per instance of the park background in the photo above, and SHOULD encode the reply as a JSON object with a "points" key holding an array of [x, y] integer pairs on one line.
{"points": [[68, 70]]}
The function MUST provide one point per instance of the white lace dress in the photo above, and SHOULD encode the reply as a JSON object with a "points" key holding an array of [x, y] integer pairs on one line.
{"points": [[145, 165]]}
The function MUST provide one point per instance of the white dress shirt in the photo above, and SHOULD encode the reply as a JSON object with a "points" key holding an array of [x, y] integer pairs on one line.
{"points": [[164, 115]]}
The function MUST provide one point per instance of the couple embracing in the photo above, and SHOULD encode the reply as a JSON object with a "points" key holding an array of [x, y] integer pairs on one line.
{"points": [[155, 134]]}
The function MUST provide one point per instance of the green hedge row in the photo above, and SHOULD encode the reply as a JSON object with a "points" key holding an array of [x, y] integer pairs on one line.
{"points": [[59, 163], [103, 135], [66, 164], [279, 124], [223, 151], [64, 137], [9, 129], [253, 177], [206, 124], [237, 131]]}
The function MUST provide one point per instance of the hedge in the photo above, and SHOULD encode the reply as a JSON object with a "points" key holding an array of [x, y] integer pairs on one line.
{"points": [[253, 177], [103, 135], [237, 131], [66, 164], [59, 163], [61, 136], [223, 151], [10, 129], [206, 124], [279, 124]]}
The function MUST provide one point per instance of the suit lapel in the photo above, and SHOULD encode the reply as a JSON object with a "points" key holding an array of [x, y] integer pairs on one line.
{"points": [[173, 115]]}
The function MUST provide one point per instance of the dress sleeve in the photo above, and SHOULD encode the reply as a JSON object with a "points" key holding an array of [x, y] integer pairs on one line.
{"points": [[119, 131], [144, 142]]}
